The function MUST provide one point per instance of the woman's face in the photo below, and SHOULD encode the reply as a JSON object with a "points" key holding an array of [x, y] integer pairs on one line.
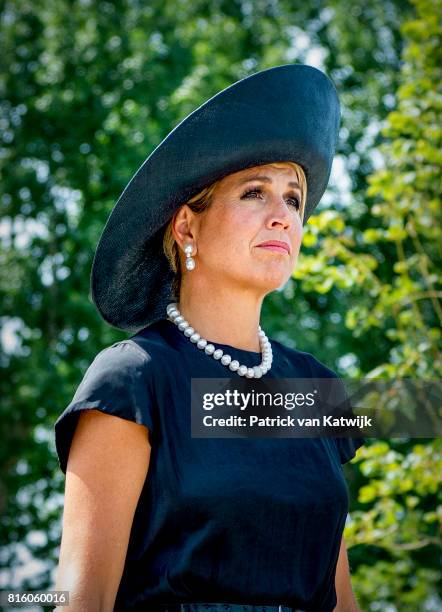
{"points": [[250, 208]]}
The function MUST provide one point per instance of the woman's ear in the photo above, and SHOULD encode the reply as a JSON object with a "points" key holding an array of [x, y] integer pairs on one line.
{"points": [[184, 227]]}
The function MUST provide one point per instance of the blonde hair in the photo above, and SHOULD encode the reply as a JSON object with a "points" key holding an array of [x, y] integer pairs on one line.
{"points": [[201, 202]]}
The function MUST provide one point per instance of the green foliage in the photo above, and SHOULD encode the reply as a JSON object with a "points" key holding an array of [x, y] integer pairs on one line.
{"points": [[403, 494], [401, 506], [397, 483], [402, 300], [408, 206], [400, 520]]}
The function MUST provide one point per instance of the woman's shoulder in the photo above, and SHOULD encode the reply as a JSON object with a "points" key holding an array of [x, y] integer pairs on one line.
{"points": [[120, 381], [305, 361], [144, 350]]}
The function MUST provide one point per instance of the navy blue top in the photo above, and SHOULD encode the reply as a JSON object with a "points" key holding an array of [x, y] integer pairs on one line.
{"points": [[239, 520]]}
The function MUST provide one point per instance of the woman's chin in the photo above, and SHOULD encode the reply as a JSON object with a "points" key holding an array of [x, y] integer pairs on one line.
{"points": [[275, 275], [270, 282]]}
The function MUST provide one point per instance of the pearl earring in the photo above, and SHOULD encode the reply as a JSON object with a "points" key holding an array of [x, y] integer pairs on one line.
{"points": [[190, 262]]}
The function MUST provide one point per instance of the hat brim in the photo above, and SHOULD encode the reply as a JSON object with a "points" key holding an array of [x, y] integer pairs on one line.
{"points": [[285, 113]]}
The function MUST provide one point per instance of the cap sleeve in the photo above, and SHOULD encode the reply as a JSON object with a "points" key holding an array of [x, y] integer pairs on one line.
{"points": [[347, 447], [118, 382]]}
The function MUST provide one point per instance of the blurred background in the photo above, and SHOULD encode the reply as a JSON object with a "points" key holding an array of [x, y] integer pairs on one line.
{"points": [[88, 89]]}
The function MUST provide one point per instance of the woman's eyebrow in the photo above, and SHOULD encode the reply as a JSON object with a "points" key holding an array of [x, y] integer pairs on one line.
{"points": [[265, 179]]}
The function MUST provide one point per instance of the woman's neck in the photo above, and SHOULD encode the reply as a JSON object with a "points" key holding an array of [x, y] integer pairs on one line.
{"points": [[224, 317]]}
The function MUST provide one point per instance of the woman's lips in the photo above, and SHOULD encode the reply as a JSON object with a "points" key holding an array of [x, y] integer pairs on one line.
{"points": [[272, 246]]}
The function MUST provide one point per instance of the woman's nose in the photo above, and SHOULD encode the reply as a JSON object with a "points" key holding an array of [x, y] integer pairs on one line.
{"points": [[280, 213]]}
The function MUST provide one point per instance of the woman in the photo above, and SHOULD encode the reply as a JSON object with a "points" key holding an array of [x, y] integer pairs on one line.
{"points": [[154, 518]]}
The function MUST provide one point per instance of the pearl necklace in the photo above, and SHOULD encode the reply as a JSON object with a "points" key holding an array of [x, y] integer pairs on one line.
{"points": [[176, 317]]}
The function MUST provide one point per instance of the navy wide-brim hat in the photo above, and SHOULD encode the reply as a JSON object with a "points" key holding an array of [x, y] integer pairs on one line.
{"points": [[285, 113]]}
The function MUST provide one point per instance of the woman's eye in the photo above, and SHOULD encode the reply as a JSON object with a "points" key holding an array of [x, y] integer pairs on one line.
{"points": [[295, 202], [250, 192]]}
